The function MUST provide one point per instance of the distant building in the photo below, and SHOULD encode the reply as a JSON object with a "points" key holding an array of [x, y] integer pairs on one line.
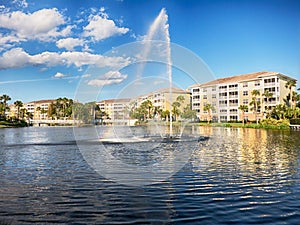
{"points": [[116, 109], [38, 109], [227, 94], [162, 98]]}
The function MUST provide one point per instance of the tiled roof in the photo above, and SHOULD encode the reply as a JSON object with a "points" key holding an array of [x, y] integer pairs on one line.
{"points": [[239, 78], [42, 101], [117, 100]]}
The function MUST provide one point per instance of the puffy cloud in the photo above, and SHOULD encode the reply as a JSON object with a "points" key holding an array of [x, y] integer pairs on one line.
{"points": [[42, 25], [17, 58], [69, 43], [21, 3], [100, 27], [14, 58], [110, 78], [59, 75]]}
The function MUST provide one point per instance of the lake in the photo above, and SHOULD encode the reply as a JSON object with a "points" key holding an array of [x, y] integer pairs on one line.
{"points": [[237, 176]]}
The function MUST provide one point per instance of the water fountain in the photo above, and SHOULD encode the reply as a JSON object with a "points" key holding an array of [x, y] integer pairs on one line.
{"points": [[144, 157]]}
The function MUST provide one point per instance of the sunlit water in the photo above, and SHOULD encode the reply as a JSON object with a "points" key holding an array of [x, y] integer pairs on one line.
{"points": [[238, 176]]}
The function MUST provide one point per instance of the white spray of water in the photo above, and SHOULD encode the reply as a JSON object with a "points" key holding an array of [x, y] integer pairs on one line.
{"points": [[159, 31]]}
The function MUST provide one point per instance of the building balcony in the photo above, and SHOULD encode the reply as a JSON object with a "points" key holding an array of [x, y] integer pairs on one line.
{"points": [[269, 84], [223, 106], [222, 97]]}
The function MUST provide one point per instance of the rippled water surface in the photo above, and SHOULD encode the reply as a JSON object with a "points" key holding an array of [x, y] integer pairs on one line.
{"points": [[237, 176]]}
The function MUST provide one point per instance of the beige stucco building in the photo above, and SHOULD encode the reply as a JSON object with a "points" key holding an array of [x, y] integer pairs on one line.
{"points": [[227, 94]]}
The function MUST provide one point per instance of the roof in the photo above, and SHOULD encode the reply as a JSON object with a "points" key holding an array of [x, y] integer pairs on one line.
{"points": [[117, 100], [41, 101], [243, 78]]}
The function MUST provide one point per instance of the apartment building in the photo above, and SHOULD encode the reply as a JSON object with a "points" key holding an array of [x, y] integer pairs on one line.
{"points": [[116, 109], [163, 98], [38, 109], [227, 94]]}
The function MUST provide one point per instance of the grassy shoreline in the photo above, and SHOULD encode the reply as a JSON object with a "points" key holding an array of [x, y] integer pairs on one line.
{"points": [[8, 124]]}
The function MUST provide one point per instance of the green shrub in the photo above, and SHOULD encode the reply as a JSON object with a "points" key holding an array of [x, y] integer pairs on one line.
{"points": [[295, 121], [274, 122]]}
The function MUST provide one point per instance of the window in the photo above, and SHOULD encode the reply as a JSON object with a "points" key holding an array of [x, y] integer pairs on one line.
{"points": [[233, 118], [233, 111], [196, 90], [245, 101], [204, 89], [245, 93], [223, 103], [223, 110], [233, 102], [245, 84], [214, 96], [223, 95], [213, 89], [204, 96], [257, 83], [196, 97], [223, 118]]}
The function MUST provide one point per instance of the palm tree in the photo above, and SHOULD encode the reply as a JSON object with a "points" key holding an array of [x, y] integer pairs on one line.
{"points": [[175, 109], [255, 103], [243, 108], [268, 95], [18, 104], [148, 106], [209, 108], [289, 85], [4, 98]]}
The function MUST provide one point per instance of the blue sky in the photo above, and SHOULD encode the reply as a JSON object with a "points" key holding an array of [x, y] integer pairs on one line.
{"points": [[47, 47]]}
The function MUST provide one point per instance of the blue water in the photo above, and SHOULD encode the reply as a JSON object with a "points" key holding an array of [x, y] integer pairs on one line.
{"points": [[237, 176]]}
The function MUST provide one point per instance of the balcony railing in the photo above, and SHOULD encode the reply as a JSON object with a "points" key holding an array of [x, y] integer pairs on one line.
{"points": [[269, 84]]}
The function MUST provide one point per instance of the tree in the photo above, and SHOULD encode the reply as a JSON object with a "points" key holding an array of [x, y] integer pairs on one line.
{"points": [[188, 113], [268, 95], [243, 108], [157, 111], [18, 104], [165, 114], [147, 105], [175, 110], [255, 103], [209, 108], [176, 106], [289, 85], [4, 99]]}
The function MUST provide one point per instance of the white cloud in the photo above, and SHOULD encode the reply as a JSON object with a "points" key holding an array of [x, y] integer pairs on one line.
{"points": [[86, 75], [69, 43], [42, 25], [100, 27], [21, 3], [59, 75], [110, 78], [17, 58]]}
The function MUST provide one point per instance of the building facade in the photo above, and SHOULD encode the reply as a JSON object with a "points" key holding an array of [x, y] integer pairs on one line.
{"points": [[117, 110], [227, 94], [38, 109], [163, 98]]}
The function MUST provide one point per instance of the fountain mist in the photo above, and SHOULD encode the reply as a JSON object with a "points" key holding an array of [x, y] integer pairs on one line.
{"points": [[159, 31]]}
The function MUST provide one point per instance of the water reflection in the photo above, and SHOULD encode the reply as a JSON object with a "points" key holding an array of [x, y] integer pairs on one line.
{"points": [[241, 176]]}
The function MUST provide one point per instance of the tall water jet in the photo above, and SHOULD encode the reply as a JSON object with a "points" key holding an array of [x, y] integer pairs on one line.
{"points": [[159, 31]]}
